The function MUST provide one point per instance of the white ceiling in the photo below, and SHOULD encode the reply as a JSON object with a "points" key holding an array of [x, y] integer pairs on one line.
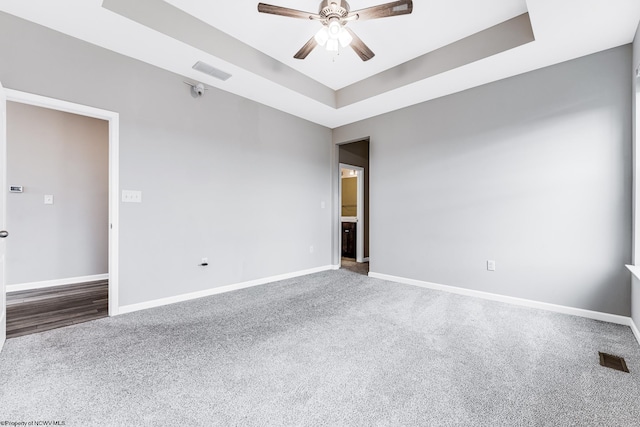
{"points": [[563, 29]]}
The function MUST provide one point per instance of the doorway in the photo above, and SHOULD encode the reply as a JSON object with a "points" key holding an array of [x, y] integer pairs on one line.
{"points": [[353, 206], [636, 170], [23, 99], [352, 212]]}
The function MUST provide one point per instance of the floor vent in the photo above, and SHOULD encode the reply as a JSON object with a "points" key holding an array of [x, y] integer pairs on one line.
{"points": [[613, 362]]}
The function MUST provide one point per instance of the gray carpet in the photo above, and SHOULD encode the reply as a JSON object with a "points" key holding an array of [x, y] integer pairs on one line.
{"points": [[334, 348]]}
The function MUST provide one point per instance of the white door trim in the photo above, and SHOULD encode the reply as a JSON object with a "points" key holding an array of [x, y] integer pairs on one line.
{"points": [[3, 214], [359, 212], [114, 147]]}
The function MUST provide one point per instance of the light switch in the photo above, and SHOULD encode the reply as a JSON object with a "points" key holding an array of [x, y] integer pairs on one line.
{"points": [[491, 265], [48, 199], [131, 196], [322, 205]]}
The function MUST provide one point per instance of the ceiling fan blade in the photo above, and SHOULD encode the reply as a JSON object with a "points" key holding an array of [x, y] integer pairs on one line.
{"points": [[396, 8], [306, 49], [285, 11], [359, 47]]}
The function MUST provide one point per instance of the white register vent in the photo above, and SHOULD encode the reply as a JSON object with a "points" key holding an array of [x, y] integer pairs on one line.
{"points": [[211, 70]]}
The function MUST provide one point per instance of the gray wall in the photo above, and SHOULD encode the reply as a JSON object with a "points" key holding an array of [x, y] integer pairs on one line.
{"points": [[67, 156], [533, 172], [214, 172], [635, 288]]}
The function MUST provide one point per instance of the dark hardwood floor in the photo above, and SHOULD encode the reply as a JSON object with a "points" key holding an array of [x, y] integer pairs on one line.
{"points": [[357, 267], [39, 310]]}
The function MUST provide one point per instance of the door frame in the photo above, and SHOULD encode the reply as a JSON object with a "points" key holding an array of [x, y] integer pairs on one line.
{"points": [[359, 211], [113, 119], [3, 214]]}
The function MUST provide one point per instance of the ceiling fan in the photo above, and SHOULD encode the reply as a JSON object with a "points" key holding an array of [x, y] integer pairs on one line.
{"points": [[334, 15]]}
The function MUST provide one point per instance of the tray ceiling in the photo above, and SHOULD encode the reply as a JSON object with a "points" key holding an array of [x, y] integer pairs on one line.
{"points": [[443, 47]]}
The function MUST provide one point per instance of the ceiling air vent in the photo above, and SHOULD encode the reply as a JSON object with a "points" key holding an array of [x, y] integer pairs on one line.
{"points": [[211, 70]]}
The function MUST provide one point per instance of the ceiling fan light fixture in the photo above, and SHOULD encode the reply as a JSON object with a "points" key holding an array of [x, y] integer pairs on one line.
{"points": [[345, 38], [334, 28], [322, 36], [332, 45]]}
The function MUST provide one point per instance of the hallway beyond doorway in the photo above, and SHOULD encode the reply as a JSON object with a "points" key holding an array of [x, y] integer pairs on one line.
{"points": [[356, 267]]}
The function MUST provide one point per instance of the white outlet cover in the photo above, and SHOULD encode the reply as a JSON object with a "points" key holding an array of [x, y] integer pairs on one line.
{"points": [[131, 196], [48, 199]]}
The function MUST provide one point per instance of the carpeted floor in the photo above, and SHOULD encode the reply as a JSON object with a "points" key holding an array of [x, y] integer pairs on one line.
{"points": [[334, 348]]}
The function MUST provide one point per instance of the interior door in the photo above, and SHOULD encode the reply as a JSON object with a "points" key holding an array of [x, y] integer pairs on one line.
{"points": [[3, 213]]}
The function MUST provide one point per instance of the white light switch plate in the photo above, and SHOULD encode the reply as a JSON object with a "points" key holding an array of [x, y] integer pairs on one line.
{"points": [[491, 265], [131, 196], [48, 199]]}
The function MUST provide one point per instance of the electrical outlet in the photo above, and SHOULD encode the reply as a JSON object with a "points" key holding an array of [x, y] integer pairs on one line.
{"points": [[310, 249], [205, 261], [491, 265], [131, 196]]}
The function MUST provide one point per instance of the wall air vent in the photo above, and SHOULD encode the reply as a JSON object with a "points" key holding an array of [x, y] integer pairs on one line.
{"points": [[211, 70]]}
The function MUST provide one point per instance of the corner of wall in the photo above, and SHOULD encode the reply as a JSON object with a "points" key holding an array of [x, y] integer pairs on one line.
{"points": [[636, 48], [635, 282], [635, 306]]}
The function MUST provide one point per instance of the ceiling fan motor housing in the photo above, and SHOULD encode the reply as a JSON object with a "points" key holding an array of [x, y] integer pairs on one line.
{"points": [[334, 9]]}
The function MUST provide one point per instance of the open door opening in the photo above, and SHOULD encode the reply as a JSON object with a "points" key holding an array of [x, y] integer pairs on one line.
{"points": [[352, 212], [352, 219], [353, 207], [105, 285], [57, 210]]}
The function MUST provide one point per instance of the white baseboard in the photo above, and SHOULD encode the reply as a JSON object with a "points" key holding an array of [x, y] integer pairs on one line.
{"points": [[219, 290], [335, 267], [57, 282], [3, 332], [634, 329], [597, 315]]}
